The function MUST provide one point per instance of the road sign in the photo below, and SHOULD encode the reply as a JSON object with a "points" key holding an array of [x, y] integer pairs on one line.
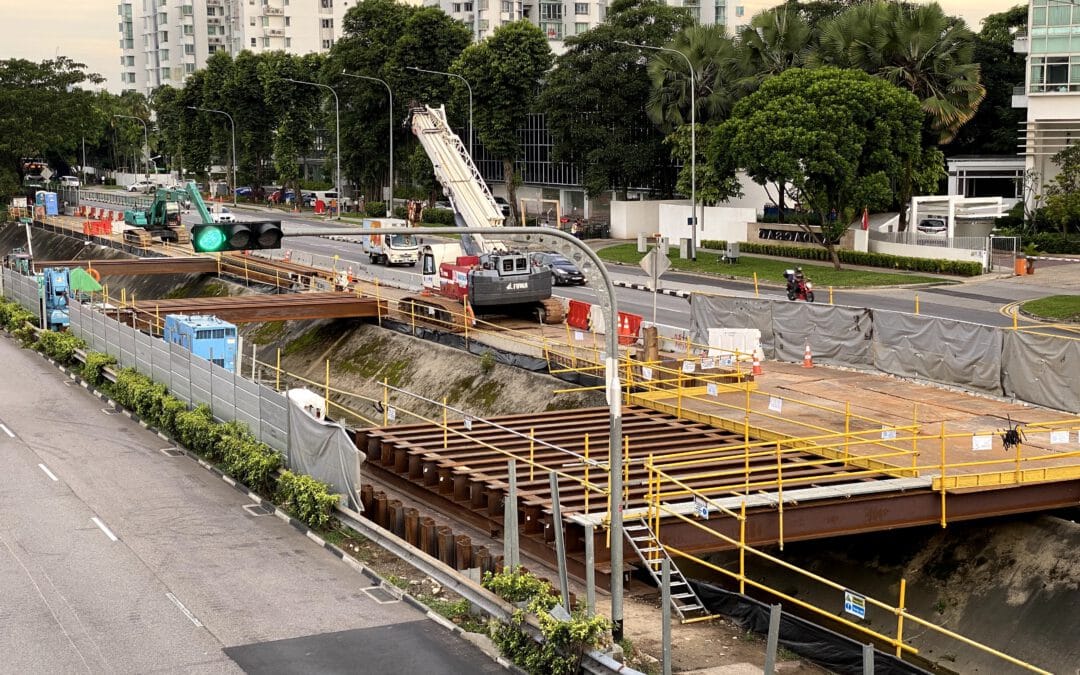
{"points": [[655, 264], [855, 604], [46, 173]]}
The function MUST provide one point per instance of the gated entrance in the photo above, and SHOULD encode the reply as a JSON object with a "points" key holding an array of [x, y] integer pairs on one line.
{"points": [[1003, 251]]}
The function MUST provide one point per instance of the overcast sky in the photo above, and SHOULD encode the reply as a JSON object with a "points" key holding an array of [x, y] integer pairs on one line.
{"points": [[88, 30]]}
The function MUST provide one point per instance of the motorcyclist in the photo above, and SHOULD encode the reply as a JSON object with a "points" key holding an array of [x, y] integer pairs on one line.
{"points": [[794, 278]]}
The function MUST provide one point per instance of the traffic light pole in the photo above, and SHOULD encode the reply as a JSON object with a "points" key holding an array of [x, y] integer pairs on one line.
{"points": [[572, 247]]}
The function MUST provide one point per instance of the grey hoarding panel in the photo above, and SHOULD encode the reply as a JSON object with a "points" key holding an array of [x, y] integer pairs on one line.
{"points": [[127, 347], [840, 335], [162, 361], [180, 384], [273, 419], [246, 395], [1041, 369], [324, 450], [112, 338], [939, 350], [222, 387], [708, 311], [144, 353], [200, 380]]}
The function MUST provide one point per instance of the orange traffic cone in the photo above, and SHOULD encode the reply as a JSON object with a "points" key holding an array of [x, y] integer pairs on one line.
{"points": [[756, 370], [351, 277], [808, 358]]}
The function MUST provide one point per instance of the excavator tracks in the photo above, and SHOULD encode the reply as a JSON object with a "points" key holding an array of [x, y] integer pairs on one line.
{"points": [[449, 314], [551, 311]]}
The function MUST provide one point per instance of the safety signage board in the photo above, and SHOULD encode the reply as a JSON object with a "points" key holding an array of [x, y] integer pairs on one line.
{"points": [[855, 604], [701, 507]]}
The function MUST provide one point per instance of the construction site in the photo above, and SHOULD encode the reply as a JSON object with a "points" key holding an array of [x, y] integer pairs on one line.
{"points": [[744, 466]]}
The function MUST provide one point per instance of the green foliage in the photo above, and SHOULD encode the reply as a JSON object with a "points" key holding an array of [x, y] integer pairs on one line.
{"points": [[520, 586], [95, 363], [1055, 308], [487, 362], [26, 334], [13, 316], [1063, 192], [195, 429], [1054, 242], [59, 347], [438, 216], [307, 499], [841, 138], [374, 209], [961, 268]]}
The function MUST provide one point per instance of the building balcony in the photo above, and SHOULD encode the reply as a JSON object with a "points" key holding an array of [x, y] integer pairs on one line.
{"points": [[274, 32], [1019, 97], [276, 11], [1021, 43]]}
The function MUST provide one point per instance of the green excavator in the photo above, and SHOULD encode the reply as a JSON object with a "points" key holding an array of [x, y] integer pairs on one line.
{"points": [[162, 220]]}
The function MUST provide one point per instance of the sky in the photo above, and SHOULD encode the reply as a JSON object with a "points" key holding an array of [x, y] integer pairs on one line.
{"points": [[88, 30]]}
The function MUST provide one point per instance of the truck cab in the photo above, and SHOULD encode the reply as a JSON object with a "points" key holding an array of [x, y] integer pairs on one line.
{"points": [[389, 249]]}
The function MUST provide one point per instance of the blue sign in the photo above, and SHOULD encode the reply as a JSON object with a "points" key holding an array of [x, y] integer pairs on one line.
{"points": [[855, 604]]}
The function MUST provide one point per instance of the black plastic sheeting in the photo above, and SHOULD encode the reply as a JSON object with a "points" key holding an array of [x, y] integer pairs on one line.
{"points": [[456, 341], [827, 648]]}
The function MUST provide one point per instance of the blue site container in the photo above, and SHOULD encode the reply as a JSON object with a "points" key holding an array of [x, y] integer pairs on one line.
{"points": [[207, 337], [48, 200]]}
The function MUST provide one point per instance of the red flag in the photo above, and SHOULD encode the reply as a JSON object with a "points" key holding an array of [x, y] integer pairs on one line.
{"points": [[865, 218]]}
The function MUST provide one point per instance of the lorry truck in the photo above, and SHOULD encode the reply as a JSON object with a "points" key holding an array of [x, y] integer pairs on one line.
{"points": [[389, 249], [478, 274]]}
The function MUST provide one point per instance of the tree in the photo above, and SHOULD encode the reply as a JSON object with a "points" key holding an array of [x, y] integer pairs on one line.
{"points": [[594, 100], [775, 40], [1063, 192], [993, 128], [841, 138], [295, 107], [505, 72]]}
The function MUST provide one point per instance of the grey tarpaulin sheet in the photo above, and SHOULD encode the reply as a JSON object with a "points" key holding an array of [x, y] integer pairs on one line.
{"points": [[708, 311], [939, 350], [324, 450], [839, 335], [1041, 369]]}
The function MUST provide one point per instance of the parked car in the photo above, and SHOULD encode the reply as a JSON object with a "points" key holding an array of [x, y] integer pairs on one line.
{"points": [[69, 181], [223, 215], [142, 186], [243, 192], [279, 197], [932, 226], [504, 206], [444, 205], [563, 271]]}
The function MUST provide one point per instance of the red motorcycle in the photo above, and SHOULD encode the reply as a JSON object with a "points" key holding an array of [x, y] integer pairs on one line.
{"points": [[798, 286]]}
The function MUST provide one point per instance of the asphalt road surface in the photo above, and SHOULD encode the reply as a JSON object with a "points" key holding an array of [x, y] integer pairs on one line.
{"points": [[117, 558]]}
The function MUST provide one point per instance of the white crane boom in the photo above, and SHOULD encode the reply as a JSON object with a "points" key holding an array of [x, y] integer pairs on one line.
{"points": [[474, 206]]}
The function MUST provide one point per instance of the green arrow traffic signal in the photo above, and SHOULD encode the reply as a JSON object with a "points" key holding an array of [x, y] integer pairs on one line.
{"points": [[246, 236]]}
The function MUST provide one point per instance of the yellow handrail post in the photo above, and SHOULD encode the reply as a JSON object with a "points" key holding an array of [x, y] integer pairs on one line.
{"points": [[687, 344], [586, 473], [780, 492], [446, 428], [756, 295], [157, 316], [900, 618], [742, 548], [847, 432], [123, 298], [678, 393], [385, 402], [1019, 474], [412, 317], [627, 379], [277, 372], [915, 438], [942, 478], [570, 344], [746, 455], [326, 396], [378, 301], [532, 451]]}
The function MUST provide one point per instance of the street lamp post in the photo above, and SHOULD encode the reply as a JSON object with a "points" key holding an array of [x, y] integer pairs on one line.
{"points": [[232, 125], [390, 202], [467, 85], [693, 139], [146, 140], [337, 135]]}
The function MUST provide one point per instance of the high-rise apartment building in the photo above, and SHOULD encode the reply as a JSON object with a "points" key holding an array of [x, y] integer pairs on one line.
{"points": [[1051, 92], [560, 20], [164, 41]]}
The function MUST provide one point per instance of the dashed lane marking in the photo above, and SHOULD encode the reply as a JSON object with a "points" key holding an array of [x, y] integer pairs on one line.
{"points": [[48, 473], [106, 530]]}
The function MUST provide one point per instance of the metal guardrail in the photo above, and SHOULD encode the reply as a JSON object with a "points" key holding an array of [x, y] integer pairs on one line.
{"points": [[113, 197]]}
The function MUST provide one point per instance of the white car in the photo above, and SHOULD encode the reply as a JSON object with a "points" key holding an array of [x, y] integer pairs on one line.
{"points": [[223, 216], [142, 186], [69, 181]]}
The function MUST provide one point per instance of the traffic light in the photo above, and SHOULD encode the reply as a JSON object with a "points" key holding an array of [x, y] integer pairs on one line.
{"points": [[246, 236]]}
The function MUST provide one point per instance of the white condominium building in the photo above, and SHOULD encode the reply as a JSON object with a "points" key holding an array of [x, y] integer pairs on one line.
{"points": [[164, 41]]}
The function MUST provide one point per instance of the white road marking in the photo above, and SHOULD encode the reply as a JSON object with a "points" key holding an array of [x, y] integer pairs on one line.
{"points": [[6, 430], [107, 531], [185, 610], [47, 472]]}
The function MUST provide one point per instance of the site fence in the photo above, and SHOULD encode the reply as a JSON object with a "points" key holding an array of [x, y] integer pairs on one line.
{"points": [[1038, 368]]}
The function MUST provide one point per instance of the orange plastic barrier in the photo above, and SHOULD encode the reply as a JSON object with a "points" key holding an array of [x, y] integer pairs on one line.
{"points": [[578, 315], [97, 227], [629, 326]]}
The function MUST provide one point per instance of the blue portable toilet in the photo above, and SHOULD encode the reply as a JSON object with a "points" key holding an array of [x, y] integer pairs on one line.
{"points": [[48, 200], [207, 337]]}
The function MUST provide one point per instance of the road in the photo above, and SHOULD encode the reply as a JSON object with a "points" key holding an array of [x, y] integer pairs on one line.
{"points": [[986, 302], [115, 557]]}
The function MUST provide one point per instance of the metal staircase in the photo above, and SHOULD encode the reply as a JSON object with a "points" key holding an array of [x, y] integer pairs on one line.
{"points": [[684, 600]]}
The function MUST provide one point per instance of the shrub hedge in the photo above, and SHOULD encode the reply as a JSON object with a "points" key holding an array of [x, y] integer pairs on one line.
{"points": [[374, 209], [961, 268], [230, 444]]}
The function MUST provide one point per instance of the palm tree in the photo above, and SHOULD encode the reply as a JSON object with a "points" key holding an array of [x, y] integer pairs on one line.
{"points": [[717, 69], [775, 40]]}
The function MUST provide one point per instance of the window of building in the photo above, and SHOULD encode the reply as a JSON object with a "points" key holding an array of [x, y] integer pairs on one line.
{"points": [[164, 73], [128, 43], [189, 68], [187, 10], [580, 27], [457, 7], [721, 13], [265, 22], [327, 4], [326, 23], [163, 54], [508, 7], [1055, 74], [162, 19], [210, 11], [266, 42], [739, 10], [251, 21], [288, 43], [581, 8], [189, 29], [288, 21], [553, 30], [164, 36], [189, 49], [327, 44], [253, 42], [550, 11], [694, 11]]}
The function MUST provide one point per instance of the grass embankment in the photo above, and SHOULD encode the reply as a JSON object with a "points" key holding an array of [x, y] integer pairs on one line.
{"points": [[1055, 307], [768, 269]]}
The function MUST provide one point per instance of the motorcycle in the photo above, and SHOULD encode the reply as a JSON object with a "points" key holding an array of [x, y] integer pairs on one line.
{"points": [[798, 286]]}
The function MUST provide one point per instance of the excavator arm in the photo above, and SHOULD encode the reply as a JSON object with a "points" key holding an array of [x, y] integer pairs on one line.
{"points": [[198, 203]]}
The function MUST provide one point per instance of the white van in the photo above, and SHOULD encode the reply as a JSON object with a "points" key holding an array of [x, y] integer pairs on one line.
{"points": [[327, 195]]}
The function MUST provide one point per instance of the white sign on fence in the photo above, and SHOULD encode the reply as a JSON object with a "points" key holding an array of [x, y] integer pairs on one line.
{"points": [[701, 507], [855, 604], [1057, 437], [708, 363], [579, 336], [982, 443], [776, 404], [391, 414], [646, 373], [468, 424], [888, 434], [688, 366], [712, 389]]}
